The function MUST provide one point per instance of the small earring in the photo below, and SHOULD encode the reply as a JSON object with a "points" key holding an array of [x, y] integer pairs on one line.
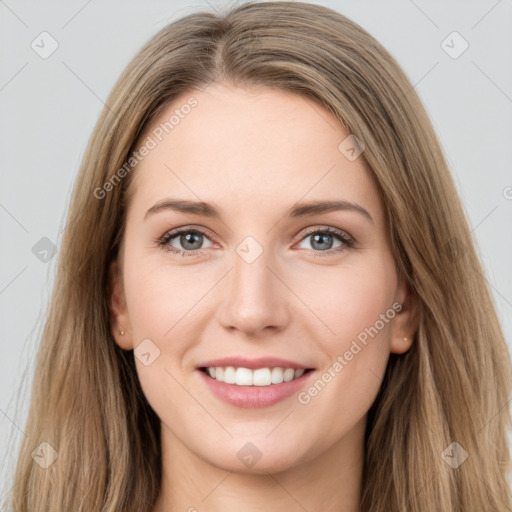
{"points": [[405, 339], [121, 333]]}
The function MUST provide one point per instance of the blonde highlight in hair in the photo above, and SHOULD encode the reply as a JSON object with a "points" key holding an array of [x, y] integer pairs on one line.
{"points": [[451, 386]]}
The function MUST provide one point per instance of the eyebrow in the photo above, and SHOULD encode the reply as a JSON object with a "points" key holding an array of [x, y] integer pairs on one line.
{"points": [[297, 210]]}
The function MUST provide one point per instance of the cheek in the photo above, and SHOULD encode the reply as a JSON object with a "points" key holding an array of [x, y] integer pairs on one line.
{"points": [[161, 302], [349, 299], [162, 299], [347, 385], [354, 304]]}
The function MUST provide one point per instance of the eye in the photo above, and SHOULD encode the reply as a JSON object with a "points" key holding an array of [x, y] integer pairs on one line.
{"points": [[189, 239], [322, 241]]}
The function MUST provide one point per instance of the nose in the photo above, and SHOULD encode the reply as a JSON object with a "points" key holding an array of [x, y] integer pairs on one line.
{"points": [[256, 299]]}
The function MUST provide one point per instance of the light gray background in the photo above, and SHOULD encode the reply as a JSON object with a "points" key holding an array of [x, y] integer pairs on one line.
{"points": [[49, 107]]}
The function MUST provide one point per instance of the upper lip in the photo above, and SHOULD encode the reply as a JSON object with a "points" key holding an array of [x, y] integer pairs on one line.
{"points": [[253, 364]]}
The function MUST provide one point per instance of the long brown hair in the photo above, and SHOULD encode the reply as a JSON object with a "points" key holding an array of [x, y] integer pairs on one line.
{"points": [[452, 386]]}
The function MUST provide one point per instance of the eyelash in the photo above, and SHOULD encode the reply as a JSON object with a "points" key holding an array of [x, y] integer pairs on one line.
{"points": [[348, 241]]}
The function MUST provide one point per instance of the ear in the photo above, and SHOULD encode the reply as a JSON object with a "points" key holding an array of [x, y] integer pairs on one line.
{"points": [[119, 319], [406, 321]]}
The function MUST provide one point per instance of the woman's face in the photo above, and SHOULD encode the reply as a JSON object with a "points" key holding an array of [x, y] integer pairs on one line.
{"points": [[257, 273]]}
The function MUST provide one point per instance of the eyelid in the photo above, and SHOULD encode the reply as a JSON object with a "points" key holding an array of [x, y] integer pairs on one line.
{"points": [[189, 228], [328, 229]]}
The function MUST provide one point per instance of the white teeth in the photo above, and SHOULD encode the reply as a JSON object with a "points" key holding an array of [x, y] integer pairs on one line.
{"points": [[277, 375], [229, 375], [288, 375], [247, 377], [261, 377], [243, 377]]}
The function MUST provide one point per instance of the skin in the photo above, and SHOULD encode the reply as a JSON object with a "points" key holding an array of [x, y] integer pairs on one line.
{"points": [[256, 152]]}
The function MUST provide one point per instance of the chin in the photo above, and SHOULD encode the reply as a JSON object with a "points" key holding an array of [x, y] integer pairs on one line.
{"points": [[255, 457]]}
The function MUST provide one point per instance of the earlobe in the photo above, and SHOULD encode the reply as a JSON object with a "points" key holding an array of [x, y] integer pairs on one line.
{"points": [[401, 345], [405, 323], [119, 320]]}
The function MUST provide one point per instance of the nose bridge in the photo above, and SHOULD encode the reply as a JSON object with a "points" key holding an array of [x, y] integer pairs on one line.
{"points": [[254, 298], [251, 277]]}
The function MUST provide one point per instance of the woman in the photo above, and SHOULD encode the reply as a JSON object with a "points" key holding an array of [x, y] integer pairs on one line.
{"points": [[256, 369]]}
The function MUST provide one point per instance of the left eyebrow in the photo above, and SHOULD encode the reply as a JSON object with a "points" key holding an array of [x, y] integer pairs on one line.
{"points": [[319, 207], [298, 210]]}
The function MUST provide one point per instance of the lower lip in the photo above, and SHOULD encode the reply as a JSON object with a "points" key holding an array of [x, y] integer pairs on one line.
{"points": [[254, 396]]}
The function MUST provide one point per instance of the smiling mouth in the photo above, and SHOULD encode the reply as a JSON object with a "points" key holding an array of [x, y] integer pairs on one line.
{"points": [[240, 376]]}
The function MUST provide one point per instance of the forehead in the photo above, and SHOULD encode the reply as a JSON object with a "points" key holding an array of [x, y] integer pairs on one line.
{"points": [[250, 149]]}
